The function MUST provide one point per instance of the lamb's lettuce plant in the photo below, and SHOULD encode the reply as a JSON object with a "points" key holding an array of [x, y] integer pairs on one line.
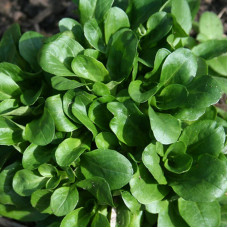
{"points": [[112, 120]]}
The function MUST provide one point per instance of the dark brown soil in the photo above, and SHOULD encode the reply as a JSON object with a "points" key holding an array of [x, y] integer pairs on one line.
{"points": [[43, 15], [38, 15]]}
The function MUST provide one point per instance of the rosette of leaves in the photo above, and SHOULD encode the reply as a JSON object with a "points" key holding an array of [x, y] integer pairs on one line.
{"points": [[111, 121]]}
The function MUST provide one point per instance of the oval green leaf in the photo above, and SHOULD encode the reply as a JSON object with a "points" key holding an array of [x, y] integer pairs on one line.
{"points": [[55, 108], [115, 19], [121, 53], [56, 56], [99, 188], [25, 182], [179, 67], [64, 200], [198, 214], [165, 127], [68, 151], [151, 160], [41, 131], [89, 68], [144, 187], [109, 164]]}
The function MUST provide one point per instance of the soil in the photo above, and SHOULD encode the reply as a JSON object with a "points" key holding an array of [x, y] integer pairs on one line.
{"points": [[37, 15]]}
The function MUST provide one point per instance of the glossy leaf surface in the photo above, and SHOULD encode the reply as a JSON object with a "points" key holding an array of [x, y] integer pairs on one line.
{"points": [[109, 164]]}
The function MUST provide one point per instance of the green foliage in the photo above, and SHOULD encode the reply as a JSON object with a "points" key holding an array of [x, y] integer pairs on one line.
{"points": [[112, 120]]}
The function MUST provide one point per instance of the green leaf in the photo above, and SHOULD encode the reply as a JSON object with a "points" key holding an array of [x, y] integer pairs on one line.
{"points": [[77, 218], [200, 214], [115, 19], [194, 7], [100, 220], [210, 27], [55, 108], [10, 132], [222, 82], [100, 89], [205, 182], [154, 32], [8, 105], [99, 188], [5, 154], [69, 24], [182, 17], [203, 92], [165, 127], [47, 170], [128, 120], [68, 100], [9, 88], [93, 9], [109, 164], [70, 174], [92, 53], [156, 207], [30, 96], [79, 106], [64, 200], [170, 217], [142, 10], [94, 35], [99, 114], [7, 195], [125, 218], [219, 65], [210, 49], [9, 46], [62, 83], [204, 137], [223, 203], [25, 182], [144, 187], [136, 94], [179, 67], [158, 61], [89, 68], [20, 111], [129, 200], [14, 72], [41, 131], [106, 140], [56, 56], [176, 160], [40, 200], [151, 160], [29, 45], [53, 182], [35, 155], [25, 214], [172, 96], [69, 150], [121, 53], [189, 113]]}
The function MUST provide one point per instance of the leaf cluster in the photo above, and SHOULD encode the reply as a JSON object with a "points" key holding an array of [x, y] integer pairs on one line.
{"points": [[112, 120]]}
